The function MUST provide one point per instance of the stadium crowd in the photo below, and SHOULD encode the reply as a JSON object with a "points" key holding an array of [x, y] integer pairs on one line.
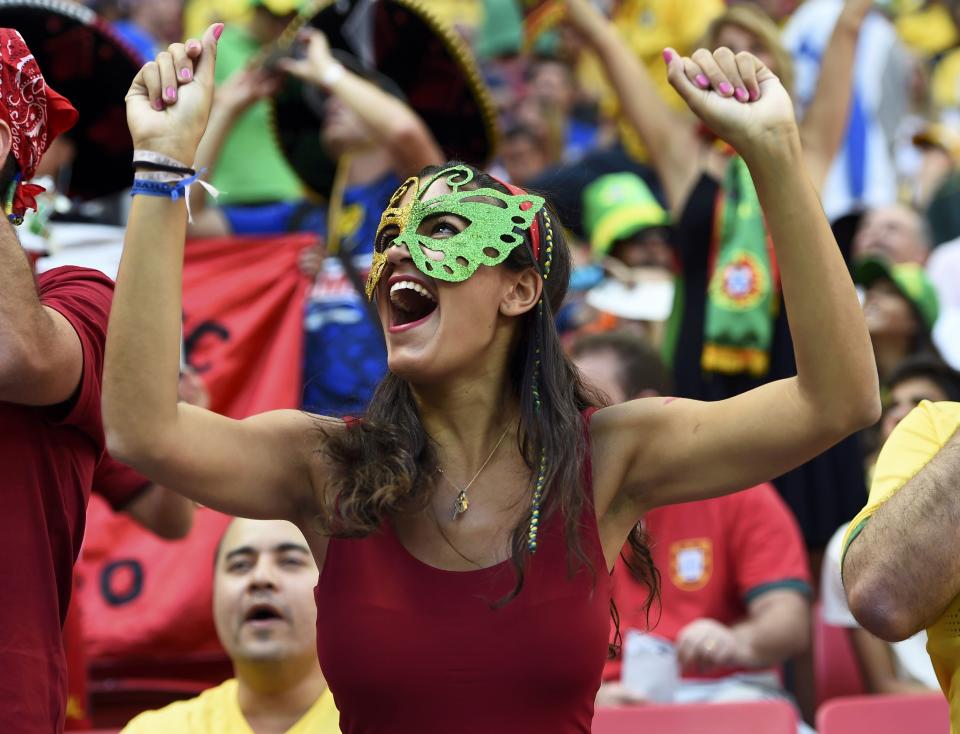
{"points": [[176, 617]]}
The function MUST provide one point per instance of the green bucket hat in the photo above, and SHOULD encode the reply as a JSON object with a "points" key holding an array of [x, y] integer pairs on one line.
{"points": [[909, 278], [616, 206]]}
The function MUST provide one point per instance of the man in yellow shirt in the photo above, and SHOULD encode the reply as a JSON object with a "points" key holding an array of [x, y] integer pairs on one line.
{"points": [[265, 617], [901, 561]]}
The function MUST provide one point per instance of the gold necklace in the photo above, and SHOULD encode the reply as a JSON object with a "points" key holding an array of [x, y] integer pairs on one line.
{"points": [[462, 503]]}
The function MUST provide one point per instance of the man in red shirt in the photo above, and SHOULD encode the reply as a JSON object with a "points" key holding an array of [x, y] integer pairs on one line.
{"points": [[52, 334], [734, 579]]}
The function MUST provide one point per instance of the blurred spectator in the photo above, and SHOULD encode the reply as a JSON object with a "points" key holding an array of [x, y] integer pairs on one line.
{"points": [[735, 596], [266, 620], [944, 82], [620, 365], [728, 332], [552, 82], [647, 27], [524, 154], [779, 10], [198, 15], [259, 191], [926, 27], [377, 141], [624, 221], [917, 378], [943, 267], [149, 26], [863, 174], [895, 232], [900, 306]]}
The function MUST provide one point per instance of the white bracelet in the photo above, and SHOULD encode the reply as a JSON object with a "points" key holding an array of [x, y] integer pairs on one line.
{"points": [[331, 75]]}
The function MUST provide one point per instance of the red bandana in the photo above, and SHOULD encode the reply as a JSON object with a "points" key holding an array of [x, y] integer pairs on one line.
{"points": [[35, 113]]}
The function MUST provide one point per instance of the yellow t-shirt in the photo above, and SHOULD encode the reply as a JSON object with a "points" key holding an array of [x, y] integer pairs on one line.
{"points": [[915, 441], [216, 711]]}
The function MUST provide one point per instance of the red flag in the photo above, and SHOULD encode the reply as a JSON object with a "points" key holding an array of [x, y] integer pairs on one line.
{"points": [[243, 320], [149, 599]]}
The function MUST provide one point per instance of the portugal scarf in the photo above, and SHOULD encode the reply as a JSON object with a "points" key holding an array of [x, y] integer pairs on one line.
{"points": [[743, 293]]}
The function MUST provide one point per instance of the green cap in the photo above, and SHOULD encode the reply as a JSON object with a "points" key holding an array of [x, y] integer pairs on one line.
{"points": [[616, 206], [909, 278]]}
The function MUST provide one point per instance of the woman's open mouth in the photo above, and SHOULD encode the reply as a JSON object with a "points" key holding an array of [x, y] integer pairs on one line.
{"points": [[411, 304]]}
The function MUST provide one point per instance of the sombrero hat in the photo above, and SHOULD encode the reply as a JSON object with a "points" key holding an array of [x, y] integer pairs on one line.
{"points": [[82, 58], [424, 61]]}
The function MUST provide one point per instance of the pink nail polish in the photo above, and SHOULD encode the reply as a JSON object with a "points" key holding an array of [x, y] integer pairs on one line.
{"points": [[217, 30], [702, 80], [170, 93], [725, 88], [158, 105], [667, 55], [741, 94], [754, 96], [185, 74]]}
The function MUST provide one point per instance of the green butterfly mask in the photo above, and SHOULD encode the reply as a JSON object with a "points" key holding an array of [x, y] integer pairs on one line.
{"points": [[493, 220]]}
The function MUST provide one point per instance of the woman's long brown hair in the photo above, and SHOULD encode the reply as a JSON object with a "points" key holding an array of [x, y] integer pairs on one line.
{"points": [[385, 465]]}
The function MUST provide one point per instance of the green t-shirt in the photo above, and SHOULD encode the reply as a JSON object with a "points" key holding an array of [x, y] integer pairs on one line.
{"points": [[251, 168]]}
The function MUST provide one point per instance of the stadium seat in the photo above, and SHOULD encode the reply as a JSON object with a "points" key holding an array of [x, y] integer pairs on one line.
{"points": [[836, 670], [769, 717], [928, 714]]}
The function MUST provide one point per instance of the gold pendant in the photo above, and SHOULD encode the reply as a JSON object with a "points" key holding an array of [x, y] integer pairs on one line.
{"points": [[461, 505]]}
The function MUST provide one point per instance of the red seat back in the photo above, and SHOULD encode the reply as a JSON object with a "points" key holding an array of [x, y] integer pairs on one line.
{"points": [[769, 717], [928, 714], [835, 665]]}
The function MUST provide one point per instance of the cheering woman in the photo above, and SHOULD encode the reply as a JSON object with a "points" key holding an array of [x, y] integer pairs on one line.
{"points": [[465, 526]]}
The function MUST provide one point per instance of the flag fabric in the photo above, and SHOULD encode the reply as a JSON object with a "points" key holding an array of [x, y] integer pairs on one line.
{"points": [[149, 599]]}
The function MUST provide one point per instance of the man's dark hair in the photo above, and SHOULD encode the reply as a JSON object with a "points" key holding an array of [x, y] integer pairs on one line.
{"points": [[7, 173], [640, 365], [930, 367]]}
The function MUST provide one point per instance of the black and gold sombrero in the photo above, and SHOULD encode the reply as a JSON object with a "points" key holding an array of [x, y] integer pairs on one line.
{"points": [[86, 61], [422, 59]]}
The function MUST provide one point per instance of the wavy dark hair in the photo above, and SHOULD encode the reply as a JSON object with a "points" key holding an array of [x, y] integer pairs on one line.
{"points": [[385, 465]]}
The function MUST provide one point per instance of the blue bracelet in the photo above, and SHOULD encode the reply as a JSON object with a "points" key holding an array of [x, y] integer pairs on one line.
{"points": [[172, 190]]}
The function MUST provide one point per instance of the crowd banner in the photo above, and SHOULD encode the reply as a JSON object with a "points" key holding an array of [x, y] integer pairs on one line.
{"points": [[147, 598], [243, 320]]}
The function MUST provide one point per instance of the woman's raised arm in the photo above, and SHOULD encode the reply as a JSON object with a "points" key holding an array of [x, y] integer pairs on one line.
{"points": [[658, 451], [670, 138], [258, 467]]}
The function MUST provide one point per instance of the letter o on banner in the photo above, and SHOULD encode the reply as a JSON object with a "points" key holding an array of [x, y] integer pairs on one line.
{"points": [[121, 581]]}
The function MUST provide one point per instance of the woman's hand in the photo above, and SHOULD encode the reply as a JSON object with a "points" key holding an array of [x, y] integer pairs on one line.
{"points": [[706, 644], [244, 88], [315, 67], [169, 101], [738, 97]]}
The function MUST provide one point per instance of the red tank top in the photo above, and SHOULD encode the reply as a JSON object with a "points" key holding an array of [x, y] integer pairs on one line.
{"points": [[411, 649]]}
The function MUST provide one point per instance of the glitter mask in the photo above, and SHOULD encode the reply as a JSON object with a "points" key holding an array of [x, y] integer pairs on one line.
{"points": [[495, 226]]}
